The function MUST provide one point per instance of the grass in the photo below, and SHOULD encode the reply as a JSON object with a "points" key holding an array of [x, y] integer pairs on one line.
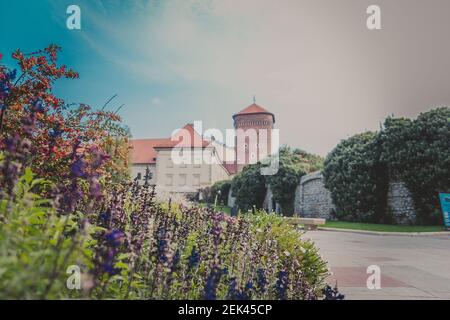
{"points": [[217, 208], [381, 227]]}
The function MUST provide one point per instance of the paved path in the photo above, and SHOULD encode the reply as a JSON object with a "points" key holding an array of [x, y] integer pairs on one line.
{"points": [[412, 267]]}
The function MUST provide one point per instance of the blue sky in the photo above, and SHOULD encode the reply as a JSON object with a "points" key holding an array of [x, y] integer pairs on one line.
{"points": [[311, 62]]}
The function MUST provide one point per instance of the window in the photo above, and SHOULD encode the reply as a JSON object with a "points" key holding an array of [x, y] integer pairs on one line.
{"points": [[182, 180], [169, 179], [170, 163], [196, 181]]}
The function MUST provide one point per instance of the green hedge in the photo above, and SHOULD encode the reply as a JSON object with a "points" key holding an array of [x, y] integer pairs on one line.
{"points": [[417, 152], [249, 186]]}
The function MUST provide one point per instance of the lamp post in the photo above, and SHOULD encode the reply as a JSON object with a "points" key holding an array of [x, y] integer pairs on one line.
{"points": [[215, 200]]}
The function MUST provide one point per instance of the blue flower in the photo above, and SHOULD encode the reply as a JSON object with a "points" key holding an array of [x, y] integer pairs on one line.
{"points": [[282, 285], [261, 281], [78, 168], [193, 259], [210, 290], [55, 132], [105, 217], [115, 238]]}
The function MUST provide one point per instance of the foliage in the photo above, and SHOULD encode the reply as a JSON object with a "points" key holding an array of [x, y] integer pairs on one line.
{"points": [[356, 178], [139, 249], [418, 153], [293, 164], [249, 187], [37, 245], [28, 108]]}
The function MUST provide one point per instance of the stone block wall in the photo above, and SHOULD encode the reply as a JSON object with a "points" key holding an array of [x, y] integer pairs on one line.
{"points": [[312, 199], [400, 203]]}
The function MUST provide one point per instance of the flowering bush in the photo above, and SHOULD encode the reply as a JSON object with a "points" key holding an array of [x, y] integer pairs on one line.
{"points": [[29, 109], [131, 247]]}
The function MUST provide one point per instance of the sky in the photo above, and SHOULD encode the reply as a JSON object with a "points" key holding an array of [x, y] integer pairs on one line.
{"points": [[313, 63]]}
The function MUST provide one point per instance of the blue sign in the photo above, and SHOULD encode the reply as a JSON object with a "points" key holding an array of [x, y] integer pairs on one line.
{"points": [[445, 204]]}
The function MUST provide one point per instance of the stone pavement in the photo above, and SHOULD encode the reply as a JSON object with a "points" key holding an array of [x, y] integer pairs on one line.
{"points": [[412, 267]]}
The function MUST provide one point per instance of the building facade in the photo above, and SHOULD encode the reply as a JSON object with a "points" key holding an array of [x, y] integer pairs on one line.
{"points": [[187, 162]]}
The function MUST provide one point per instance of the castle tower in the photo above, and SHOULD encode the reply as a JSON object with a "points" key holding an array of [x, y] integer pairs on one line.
{"points": [[253, 141]]}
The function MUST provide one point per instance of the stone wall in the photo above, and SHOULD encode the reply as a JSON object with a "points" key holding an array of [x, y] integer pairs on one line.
{"points": [[312, 199], [400, 203]]}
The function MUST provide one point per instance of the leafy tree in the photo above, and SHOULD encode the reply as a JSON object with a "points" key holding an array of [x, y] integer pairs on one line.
{"points": [[249, 187], [357, 179], [293, 164], [418, 153]]}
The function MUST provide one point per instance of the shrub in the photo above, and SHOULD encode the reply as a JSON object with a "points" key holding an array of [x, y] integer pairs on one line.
{"points": [[138, 249], [357, 179], [29, 109], [249, 187], [417, 152]]}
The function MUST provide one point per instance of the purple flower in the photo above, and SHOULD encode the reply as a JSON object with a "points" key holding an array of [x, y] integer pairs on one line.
{"points": [[78, 168], [105, 217], [261, 281], [194, 259], [115, 238], [212, 282], [282, 285], [108, 263], [37, 106], [55, 132]]}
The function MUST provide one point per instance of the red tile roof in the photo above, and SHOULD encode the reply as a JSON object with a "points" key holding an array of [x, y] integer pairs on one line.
{"points": [[186, 137], [144, 150], [254, 109]]}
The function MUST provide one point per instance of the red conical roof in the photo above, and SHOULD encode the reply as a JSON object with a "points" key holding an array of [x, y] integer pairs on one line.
{"points": [[254, 109]]}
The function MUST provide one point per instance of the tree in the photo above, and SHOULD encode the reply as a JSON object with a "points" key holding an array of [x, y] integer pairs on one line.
{"points": [[249, 187], [293, 164], [418, 153], [357, 179]]}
